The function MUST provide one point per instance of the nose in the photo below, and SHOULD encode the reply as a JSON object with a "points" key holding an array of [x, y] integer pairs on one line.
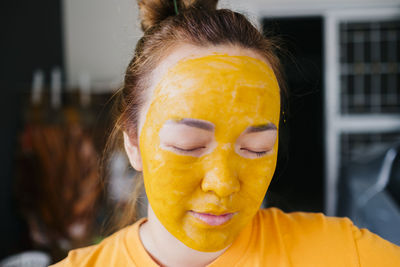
{"points": [[221, 178]]}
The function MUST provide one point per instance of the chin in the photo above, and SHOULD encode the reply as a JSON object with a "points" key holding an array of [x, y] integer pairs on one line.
{"points": [[211, 239]]}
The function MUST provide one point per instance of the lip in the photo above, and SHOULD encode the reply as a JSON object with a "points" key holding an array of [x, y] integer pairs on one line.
{"points": [[212, 219]]}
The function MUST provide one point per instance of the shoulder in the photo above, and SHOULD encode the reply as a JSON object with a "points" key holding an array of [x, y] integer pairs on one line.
{"points": [[111, 251], [307, 222], [306, 234], [308, 227]]}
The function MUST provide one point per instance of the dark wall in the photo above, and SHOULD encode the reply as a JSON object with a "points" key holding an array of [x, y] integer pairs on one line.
{"points": [[31, 38], [298, 183]]}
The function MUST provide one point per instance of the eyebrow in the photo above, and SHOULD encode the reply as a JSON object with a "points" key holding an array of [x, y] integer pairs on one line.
{"points": [[260, 128], [210, 127], [197, 124]]}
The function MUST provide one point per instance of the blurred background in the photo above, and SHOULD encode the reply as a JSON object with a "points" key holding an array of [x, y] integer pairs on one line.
{"points": [[62, 60]]}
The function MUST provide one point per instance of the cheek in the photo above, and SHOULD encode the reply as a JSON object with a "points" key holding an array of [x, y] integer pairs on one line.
{"points": [[255, 176], [171, 179]]}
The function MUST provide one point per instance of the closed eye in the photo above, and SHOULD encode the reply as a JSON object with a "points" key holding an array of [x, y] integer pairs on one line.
{"points": [[188, 150], [257, 153]]}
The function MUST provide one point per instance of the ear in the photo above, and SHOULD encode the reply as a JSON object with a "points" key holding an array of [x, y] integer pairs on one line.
{"points": [[131, 145]]}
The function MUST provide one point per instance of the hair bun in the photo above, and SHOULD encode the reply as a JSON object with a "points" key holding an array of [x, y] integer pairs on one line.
{"points": [[152, 12]]}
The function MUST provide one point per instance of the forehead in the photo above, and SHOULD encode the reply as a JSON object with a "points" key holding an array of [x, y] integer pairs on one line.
{"points": [[218, 86], [204, 73]]}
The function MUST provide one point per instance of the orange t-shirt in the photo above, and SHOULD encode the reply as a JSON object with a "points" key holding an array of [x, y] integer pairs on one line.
{"points": [[273, 238]]}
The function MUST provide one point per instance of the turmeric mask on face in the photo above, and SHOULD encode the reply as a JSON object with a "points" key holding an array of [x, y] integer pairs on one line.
{"points": [[209, 147]]}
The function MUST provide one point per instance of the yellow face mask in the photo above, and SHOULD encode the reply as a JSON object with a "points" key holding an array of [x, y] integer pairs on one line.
{"points": [[205, 188]]}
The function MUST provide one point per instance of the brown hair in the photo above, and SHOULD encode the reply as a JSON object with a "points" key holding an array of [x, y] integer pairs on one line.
{"points": [[197, 23]]}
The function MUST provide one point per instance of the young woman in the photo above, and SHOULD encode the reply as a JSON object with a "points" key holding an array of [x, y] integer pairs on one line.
{"points": [[200, 115]]}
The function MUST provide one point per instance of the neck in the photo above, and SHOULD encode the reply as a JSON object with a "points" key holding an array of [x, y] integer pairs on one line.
{"points": [[166, 250]]}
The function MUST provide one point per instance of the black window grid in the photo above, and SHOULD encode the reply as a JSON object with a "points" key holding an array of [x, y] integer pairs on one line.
{"points": [[370, 67]]}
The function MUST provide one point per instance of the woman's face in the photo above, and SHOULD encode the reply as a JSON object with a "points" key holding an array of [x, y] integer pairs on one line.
{"points": [[208, 143]]}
